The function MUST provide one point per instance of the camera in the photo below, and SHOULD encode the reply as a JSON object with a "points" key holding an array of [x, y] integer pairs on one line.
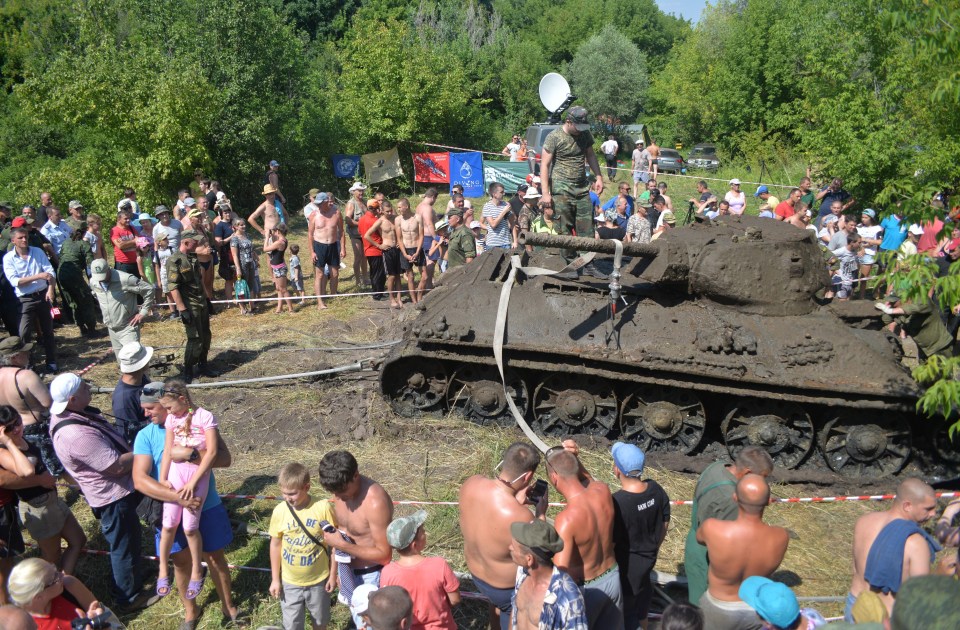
{"points": [[99, 622], [327, 527], [536, 491]]}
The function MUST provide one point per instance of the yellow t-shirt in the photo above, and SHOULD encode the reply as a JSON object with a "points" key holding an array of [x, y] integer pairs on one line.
{"points": [[302, 563]]}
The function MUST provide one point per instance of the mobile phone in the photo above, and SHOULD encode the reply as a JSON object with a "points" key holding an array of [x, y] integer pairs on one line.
{"points": [[327, 527], [536, 491]]}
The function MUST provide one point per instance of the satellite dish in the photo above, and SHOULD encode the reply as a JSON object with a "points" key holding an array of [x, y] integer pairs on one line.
{"points": [[554, 90], [555, 95]]}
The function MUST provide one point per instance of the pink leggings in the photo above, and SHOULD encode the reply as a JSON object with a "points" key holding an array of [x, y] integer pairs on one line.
{"points": [[180, 474]]}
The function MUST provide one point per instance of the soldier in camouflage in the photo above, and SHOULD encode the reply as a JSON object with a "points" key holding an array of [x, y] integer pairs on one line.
{"points": [[186, 289], [565, 184]]}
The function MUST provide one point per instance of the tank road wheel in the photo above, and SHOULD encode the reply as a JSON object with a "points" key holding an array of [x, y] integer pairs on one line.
{"points": [[946, 447], [783, 429], [415, 385], [477, 393], [855, 448], [566, 404], [667, 420]]}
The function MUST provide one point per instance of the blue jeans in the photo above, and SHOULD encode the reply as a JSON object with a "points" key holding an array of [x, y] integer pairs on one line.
{"points": [[121, 529], [366, 578]]}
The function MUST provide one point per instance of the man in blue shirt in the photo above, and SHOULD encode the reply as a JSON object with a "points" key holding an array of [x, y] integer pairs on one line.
{"points": [[32, 277], [894, 232], [624, 194], [214, 522]]}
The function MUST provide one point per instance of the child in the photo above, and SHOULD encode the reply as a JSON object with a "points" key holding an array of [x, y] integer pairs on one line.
{"points": [[196, 428], [300, 565], [849, 256], [431, 583], [296, 272], [160, 258], [275, 247], [93, 237], [439, 247], [145, 263]]}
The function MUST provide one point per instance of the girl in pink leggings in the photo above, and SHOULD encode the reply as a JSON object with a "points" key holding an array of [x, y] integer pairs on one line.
{"points": [[193, 428]]}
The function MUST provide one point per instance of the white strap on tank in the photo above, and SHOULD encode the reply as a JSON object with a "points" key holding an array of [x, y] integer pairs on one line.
{"points": [[500, 330]]}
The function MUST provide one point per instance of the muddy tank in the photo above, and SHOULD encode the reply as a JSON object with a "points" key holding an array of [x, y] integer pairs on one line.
{"points": [[714, 332]]}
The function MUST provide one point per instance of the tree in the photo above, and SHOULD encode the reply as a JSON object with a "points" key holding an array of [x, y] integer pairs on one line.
{"points": [[609, 75]]}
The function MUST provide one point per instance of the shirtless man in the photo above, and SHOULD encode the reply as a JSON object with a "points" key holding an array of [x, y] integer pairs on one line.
{"points": [[271, 210], [386, 228], [739, 549], [20, 387], [915, 502], [409, 228], [363, 510], [325, 231], [654, 150], [355, 208], [586, 527], [487, 509], [428, 217]]}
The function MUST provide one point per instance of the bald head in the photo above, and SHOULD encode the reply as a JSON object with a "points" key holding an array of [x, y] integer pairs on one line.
{"points": [[913, 490], [13, 618], [564, 464], [753, 493], [916, 500]]}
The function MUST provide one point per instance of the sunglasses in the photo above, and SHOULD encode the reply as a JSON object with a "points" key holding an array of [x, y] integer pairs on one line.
{"points": [[56, 578]]}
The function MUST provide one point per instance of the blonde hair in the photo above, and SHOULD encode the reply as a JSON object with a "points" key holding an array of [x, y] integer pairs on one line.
{"points": [[27, 580], [293, 475]]}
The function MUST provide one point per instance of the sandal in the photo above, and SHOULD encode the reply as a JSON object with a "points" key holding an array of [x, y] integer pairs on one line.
{"points": [[163, 586], [194, 587]]}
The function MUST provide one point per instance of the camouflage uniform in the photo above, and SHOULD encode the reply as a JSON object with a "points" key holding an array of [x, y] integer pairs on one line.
{"points": [[568, 181], [183, 274]]}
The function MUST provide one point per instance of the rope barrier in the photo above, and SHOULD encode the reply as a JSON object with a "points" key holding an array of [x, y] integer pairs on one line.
{"points": [[97, 362], [294, 298]]}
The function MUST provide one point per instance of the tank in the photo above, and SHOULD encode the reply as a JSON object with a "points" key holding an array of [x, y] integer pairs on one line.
{"points": [[716, 332]]}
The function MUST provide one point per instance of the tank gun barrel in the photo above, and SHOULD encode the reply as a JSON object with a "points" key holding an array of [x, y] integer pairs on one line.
{"points": [[582, 244]]}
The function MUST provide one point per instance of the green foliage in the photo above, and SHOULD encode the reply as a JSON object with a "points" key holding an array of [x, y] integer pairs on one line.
{"points": [[609, 75]]}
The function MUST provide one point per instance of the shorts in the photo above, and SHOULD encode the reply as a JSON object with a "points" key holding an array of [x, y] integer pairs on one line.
{"points": [[297, 283], [391, 261], [502, 598], [638, 176], [215, 529], [11, 540], [868, 259], [296, 601], [279, 271], [603, 600], [327, 254], [205, 264], [44, 516], [427, 244], [722, 615], [418, 261]]}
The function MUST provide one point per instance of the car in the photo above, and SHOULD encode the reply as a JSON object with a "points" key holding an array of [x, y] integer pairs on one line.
{"points": [[538, 132], [670, 161], [703, 156]]}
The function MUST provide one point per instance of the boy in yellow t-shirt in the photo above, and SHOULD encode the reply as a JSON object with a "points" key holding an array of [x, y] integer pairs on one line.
{"points": [[303, 574]]}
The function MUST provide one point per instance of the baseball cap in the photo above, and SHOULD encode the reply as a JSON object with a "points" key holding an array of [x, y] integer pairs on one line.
{"points": [[773, 601], [539, 535], [454, 212], [61, 389], [639, 141], [14, 345], [475, 224], [761, 190], [321, 197], [578, 116], [628, 458], [402, 531], [669, 218], [916, 230], [151, 393], [360, 600], [357, 186], [19, 222], [870, 212], [74, 204], [100, 270], [734, 181], [274, 163], [373, 204], [189, 201]]}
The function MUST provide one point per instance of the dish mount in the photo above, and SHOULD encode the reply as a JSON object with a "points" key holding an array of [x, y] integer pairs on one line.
{"points": [[555, 96]]}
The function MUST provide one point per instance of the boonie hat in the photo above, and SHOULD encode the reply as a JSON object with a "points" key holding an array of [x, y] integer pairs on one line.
{"points": [[773, 601], [360, 600], [533, 193], [61, 389], [578, 116], [140, 219], [100, 270], [151, 393], [160, 210], [74, 204], [669, 218], [14, 345], [539, 535], [134, 356], [610, 215], [761, 190], [628, 458], [402, 531], [870, 212], [357, 186]]}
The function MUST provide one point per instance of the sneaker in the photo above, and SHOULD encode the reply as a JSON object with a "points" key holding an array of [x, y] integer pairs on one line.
{"points": [[144, 600], [591, 270]]}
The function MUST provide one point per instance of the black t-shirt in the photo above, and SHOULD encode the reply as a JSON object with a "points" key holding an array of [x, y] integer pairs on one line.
{"points": [[516, 204], [615, 233], [639, 522], [211, 200], [127, 412], [841, 195]]}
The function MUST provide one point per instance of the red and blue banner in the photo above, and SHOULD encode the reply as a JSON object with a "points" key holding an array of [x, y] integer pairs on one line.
{"points": [[433, 168]]}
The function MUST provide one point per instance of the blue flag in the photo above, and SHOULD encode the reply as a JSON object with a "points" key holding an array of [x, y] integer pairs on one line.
{"points": [[345, 166], [466, 169]]}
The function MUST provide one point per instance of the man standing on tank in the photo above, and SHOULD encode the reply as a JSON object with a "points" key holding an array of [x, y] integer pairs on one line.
{"points": [[565, 182], [186, 290]]}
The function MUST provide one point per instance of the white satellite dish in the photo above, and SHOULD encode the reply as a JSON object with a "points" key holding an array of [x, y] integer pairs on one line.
{"points": [[554, 91]]}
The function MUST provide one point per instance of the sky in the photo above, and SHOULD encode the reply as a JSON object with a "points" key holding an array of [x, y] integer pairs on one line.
{"points": [[688, 9]]}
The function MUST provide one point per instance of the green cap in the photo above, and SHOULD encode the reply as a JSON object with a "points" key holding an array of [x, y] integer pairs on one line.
{"points": [[538, 535], [189, 234]]}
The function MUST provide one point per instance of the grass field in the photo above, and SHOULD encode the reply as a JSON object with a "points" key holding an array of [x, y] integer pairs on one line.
{"points": [[422, 459]]}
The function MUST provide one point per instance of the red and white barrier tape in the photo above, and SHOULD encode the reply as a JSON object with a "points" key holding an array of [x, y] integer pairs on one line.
{"points": [[95, 363], [294, 298]]}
